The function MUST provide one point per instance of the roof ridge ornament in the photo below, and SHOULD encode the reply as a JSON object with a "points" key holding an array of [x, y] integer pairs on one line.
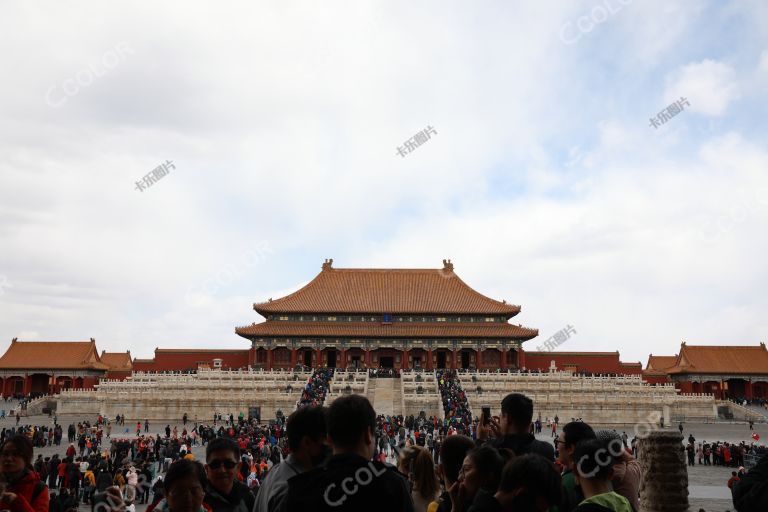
{"points": [[447, 265], [328, 264]]}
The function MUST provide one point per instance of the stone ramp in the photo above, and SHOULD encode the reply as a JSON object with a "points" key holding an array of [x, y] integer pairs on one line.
{"points": [[397, 397], [383, 396]]}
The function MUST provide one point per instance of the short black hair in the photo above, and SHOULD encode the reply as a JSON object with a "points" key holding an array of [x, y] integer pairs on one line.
{"points": [[348, 418], [222, 443], [592, 459], [577, 431], [452, 453], [183, 468], [489, 463], [305, 421], [536, 474], [519, 409], [23, 445]]}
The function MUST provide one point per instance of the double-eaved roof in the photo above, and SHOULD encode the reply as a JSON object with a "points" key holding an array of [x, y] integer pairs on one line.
{"points": [[394, 291]]}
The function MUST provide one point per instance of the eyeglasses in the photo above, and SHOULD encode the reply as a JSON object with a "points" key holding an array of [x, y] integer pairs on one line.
{"points": [[217, 463]]}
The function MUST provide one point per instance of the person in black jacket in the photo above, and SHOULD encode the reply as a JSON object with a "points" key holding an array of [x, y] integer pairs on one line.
{"points": [[750, 494], [452, 453], [528, 484], [511, 431], [350, 480], [224, 493]]}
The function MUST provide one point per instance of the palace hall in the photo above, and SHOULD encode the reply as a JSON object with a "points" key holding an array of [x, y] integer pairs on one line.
{"points": [[389, 318]]}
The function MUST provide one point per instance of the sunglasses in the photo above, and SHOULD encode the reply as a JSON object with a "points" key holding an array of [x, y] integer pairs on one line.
{"points": [[227, 463]]}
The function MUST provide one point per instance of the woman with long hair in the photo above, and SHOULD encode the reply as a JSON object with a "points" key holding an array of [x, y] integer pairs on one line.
{"points": [[416, 463], [480, 473], [23, 490]]}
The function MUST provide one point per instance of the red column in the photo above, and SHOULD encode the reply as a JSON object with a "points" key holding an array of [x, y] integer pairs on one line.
{"points": [[748, 389], [319, 356], [406, 355], [293, 357], [269, 358], [453, 359], [343, 358], [429, 365], [503, 359], [27, 384], [367, 358], [520, 358]]}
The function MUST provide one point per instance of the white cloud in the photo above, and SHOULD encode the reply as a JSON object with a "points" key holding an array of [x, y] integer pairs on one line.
{"points": [[544, 184], [710, 86]]}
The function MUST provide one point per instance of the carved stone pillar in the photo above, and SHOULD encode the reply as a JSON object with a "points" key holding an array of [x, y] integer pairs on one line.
{"points": [[664, 476]]}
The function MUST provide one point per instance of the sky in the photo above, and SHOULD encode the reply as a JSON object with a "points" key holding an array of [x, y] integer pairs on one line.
{"points": [[165, 165]]}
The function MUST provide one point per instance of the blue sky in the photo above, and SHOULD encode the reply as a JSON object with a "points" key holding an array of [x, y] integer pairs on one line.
{"points": [[545, 184]]}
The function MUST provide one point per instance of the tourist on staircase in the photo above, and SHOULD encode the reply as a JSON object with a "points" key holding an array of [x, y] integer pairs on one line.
{"points": [[316, 388], [455, 405]]}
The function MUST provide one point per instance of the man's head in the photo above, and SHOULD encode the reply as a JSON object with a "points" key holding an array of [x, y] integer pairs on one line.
{"points": [[592, 466], [573, 433], [222, 462], [516, 414], [351, 423], [529, 482], [452, 453], [306, 433]]}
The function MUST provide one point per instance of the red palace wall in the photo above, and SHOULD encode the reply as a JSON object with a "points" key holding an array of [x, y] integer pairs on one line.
{"points": [[189, 360], [581, 362], [117, 375], [657, 379]]}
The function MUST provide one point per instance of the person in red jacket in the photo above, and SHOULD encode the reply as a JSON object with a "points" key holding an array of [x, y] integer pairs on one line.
{"points": [[24, 492]]}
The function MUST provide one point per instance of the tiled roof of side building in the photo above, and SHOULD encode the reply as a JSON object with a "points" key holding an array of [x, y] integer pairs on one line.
{"points": [[117, 360], [52, 355], [721, 360], [660, 363], [357, 290], [393, 330]]}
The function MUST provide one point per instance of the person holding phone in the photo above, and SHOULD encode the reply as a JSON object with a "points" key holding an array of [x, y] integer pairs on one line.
{"points": [[24, 491], [512, 429]]}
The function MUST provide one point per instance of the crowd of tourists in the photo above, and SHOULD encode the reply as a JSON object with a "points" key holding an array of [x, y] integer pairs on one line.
{"points": [[455, 404], [383, 373], [317, 386], [139, 468], [722, 453], [335, 458]]}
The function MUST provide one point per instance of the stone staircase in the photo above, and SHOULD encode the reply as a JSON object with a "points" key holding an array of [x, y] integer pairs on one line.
{"points": [[745, 413], [384, 396], [397, 397]]}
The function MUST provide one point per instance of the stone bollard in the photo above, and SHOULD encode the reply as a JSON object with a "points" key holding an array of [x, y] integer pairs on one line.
{"points": [[664, 478]]}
